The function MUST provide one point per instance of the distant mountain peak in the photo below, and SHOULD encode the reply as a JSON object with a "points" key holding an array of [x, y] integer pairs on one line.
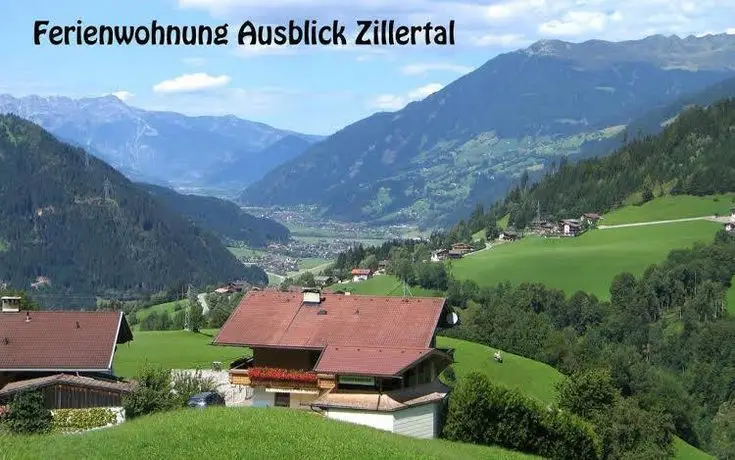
{"points": [[547, 47]]}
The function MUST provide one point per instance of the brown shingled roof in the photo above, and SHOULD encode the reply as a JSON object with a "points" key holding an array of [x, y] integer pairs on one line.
{"points": [[66, 379], [280, 319], [60, 340]]}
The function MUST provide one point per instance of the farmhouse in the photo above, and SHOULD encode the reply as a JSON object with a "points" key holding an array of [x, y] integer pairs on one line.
{"points": [[570, 227], [369, 360], [455, 254], [590, 218], [438, 256], [462, 248], [509, 235], [67, 354], [323, 281], [361, 274]]}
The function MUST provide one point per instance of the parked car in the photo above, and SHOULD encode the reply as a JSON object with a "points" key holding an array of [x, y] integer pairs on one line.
{"points": [[206, 399]]}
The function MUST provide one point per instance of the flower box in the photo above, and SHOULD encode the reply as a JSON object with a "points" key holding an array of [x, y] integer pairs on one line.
{"points": [[261, 374]]}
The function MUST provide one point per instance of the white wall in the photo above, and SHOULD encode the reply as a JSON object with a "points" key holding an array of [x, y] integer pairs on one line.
{"points": [[418, 422], [379, 420], [260, 396]]}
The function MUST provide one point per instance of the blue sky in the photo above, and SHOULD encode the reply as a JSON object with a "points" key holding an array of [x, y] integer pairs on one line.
{"points": [[315, 90]]}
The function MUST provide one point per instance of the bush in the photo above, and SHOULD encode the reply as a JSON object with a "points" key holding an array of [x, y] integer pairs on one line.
{"points": [[482, 413], [28, 415], [151, 394], [82, 419], [185, 385]]}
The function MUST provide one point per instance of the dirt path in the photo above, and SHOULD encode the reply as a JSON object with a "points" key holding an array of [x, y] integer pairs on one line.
{"points": [[660, 222]]}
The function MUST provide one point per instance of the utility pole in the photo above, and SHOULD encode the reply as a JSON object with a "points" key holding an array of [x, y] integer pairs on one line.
{"points": [[406, 289]]}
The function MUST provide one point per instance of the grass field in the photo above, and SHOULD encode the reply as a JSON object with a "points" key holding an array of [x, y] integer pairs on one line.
{"points": [[588, 262], [530, 377], [241, 433], [671, 207], [245, 252], [384, 285], [173, 349], [167, 307], [731, 298]]}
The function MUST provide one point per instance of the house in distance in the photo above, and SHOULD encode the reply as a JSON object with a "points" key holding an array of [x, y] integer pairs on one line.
{"points": [[361, 274], [369, 360]]}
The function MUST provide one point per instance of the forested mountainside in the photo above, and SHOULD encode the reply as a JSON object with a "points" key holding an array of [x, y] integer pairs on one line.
{"points": [[167, 148], [72, 227], [693, 155], [221, 217], [520, 111]]}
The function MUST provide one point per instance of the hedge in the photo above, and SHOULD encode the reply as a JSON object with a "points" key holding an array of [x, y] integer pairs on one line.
{"points": [[82, 419], [482, 413]]}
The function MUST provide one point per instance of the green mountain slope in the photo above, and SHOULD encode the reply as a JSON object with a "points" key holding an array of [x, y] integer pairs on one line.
{"points": [[223, 218], [692, 156], [87, 230], [468, 142]]}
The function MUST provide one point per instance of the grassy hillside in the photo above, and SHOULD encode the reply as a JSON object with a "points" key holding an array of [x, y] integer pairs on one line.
{"points": [[588, 262], [530, 377], [383, 285], [244, 433], [173, 349], [672, 207]]}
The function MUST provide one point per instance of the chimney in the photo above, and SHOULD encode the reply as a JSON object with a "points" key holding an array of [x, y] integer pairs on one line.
{"points": [[312, 296], [10, 304]]}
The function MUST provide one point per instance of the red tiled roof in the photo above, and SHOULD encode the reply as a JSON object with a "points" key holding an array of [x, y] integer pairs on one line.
{"points": [[60, 340], [372, 361], [361, 271], [279, 319]]}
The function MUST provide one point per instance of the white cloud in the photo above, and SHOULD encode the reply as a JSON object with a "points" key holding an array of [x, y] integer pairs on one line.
{"points": [[123, 95], [191, 82], [730, 31], [424, 91], [388, 102], [394, 102], [499, 25], [506, 40], [576, 23]]}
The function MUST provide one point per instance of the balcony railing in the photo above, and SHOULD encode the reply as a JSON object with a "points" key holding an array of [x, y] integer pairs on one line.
{"points": [[279, 378]]}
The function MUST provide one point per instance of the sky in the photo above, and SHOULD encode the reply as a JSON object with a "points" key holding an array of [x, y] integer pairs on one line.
{"points": [[316, 90]]}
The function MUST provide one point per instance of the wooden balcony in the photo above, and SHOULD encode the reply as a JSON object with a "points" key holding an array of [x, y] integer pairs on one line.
{"points": [[290, 380]]}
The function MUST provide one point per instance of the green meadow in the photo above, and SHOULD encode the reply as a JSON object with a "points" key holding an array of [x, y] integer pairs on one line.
{"points": [[256, 433], [383, 285], [671, 207], [588, 262], [175, 350]]}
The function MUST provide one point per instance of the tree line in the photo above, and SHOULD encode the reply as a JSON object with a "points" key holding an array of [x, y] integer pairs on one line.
{"points": [[665, 338]]}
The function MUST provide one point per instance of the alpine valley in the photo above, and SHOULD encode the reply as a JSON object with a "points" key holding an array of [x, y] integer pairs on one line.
{"points": [[207, 154], [432, 161]]}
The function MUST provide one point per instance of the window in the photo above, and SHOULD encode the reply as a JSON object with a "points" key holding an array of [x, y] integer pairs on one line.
{"points": [[282, 400]]}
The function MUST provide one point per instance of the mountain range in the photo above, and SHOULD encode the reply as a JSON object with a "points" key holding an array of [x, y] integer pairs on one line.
{"points": [[73, 228], [209, 154], [521, 111]]}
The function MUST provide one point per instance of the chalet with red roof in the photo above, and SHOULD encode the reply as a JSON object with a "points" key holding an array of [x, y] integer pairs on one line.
{"points": [[361, 274], [369, 360], [66, 354]]}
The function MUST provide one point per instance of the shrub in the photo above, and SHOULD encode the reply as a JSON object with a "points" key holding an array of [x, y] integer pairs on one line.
{"points": [[27, 414], [151, 394], [482, 413], [82, 419], [185, 385]]}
